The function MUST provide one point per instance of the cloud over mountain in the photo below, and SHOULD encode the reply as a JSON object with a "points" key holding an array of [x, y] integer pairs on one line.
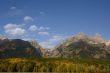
{"points": [[14, 29], [49, 43]]}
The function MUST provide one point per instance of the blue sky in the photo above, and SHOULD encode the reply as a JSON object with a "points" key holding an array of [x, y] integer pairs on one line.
{"points": [[50, 21]]}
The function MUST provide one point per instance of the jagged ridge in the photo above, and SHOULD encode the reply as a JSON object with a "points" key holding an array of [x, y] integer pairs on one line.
{"points": [[83, 46]]}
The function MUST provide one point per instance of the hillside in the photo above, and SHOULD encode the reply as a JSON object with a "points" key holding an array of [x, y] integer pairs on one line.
{"points": [[18, 48], [82, 46]]}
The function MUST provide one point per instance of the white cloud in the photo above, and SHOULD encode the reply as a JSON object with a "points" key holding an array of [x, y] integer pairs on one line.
{"points": [[43, 33], [14, 29], [39, 30], [13, 8], [33, 28], [28, 18], [54, 40], [44, 28], [41, 12]]}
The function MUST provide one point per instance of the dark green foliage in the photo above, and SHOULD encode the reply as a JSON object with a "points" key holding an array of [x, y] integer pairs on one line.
{"points": [[11, 68], [3, 67], [19, 67], [28, 67]]}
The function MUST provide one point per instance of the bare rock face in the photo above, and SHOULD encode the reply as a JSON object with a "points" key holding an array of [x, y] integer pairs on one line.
{"points": [[107, 43], [46, 52], [82, 46], [35, 44]]}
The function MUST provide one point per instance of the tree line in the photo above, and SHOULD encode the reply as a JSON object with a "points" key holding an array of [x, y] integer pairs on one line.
{"points": [[51, 66]]}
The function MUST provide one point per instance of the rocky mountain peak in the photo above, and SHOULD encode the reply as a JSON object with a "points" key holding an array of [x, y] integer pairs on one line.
{"points": [[35, 44], [83, 46], [98, 38], [80, 35]]}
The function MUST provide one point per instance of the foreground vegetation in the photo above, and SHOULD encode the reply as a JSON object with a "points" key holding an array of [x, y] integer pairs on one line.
{"points": [[54, 65]]}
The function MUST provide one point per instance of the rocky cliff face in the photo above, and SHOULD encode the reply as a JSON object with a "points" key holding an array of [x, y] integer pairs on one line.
{"points": [[35, 44], [82, 46]]}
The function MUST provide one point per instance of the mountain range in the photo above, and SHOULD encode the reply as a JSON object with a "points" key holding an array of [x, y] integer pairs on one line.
{"points": [[18, 48], [83, 46], [77, 46]]}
